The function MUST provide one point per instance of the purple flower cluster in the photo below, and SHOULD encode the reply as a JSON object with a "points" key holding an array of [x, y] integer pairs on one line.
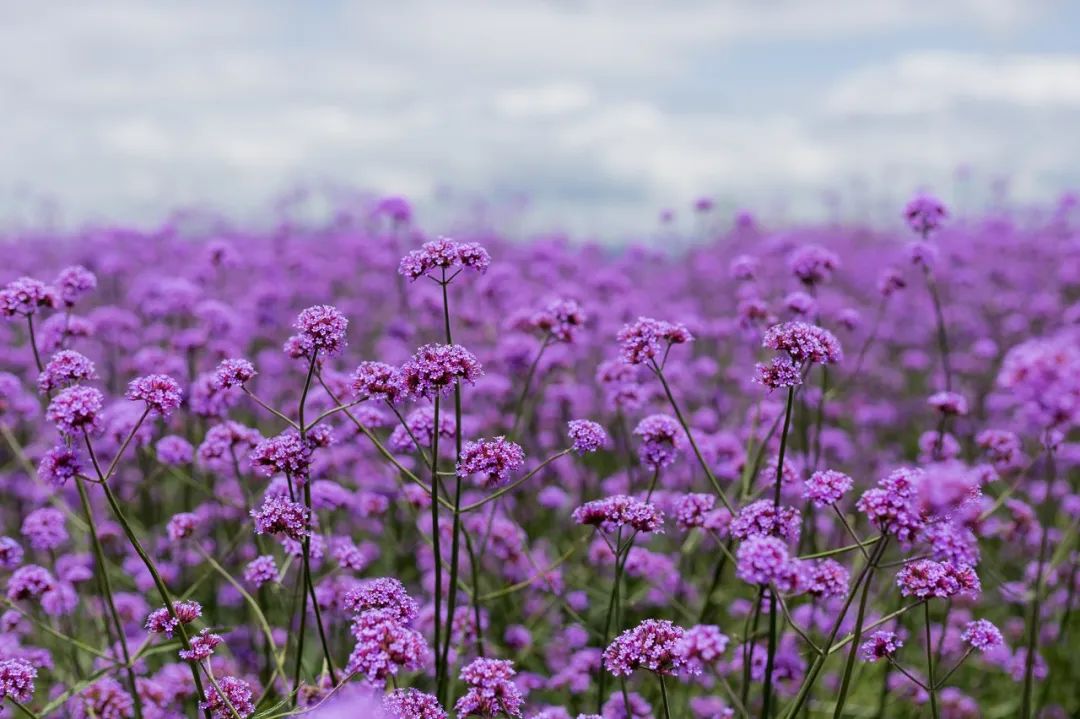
{"points": [[434, 369], [927, 579], [645, 339], [492, 459], [662, 440], [880, 645], [652, 645], [804, 343], [491, 691], [444, 254], [763, 519], [612, 513]]}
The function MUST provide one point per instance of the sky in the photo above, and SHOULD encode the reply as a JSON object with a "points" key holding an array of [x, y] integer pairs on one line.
{"points": [[588, 116]]}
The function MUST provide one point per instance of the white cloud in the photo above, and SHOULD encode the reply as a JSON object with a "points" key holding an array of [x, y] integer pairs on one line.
{"points": [[600, 110], [927, 82]]}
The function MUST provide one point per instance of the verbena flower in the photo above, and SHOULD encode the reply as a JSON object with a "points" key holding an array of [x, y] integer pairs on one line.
{"points": [[377, 380], [587, 436], [982, 635], [234, 372], [321, 329], [161, 393], [17, 680], [434, 369], [662, 440], [646, 338], [651, 645], [804, 343], [924, 213], [491, 691], [612, 513], [880, 645], [202, 648], [492, 459], [73, 283], [927, 579], [279, 515], [444, 254], [66, 367], [826, 487], [239, 695], [384, 593], [25, 297], [76, 410], [384, 647], [762, 518], [412, 704]]}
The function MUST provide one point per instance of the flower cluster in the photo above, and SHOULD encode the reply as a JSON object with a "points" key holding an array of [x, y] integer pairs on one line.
{"points": [[612, 513]]}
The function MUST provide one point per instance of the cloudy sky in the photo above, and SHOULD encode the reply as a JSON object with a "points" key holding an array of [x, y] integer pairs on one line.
{"points": [[597, 114]]}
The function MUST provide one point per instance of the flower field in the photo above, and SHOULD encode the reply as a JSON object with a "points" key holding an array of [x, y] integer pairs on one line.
{"points": [[367, 470]]}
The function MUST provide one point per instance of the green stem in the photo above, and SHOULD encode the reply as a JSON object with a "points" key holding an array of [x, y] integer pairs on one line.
{"points": [[932, 688], [845, 683], [106, 587], [690, 436], [663, 696]]}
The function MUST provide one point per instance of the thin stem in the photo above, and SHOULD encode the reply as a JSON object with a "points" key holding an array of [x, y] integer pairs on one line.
{"points": [[520, 406], [106, 587], [33, 343], [771, 658], [942, 335], [159, 583], [436, 546], [690, 436], [663, 696], [851, 532], [271, 410], [930, 663], [1036, 603], [941, 682], [845, 683]]}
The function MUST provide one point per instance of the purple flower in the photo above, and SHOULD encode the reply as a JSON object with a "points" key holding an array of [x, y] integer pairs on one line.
{"points": [[286, 454], [826, 578], [651, 645], [804, 343], [826, 487], [662, 440], [385, 594], [174, 450], [76, 409], [44, 528], [377, 380], [765, 560], [924, 213], [160, 392], [260, 570], [202, 646], [73, 283], [892, 506], [701, 647], [491, 689], [182, 526], [238, 693], [434, 369], [982, 635], [494, 459], [11, 553], [58, 465], [692, 510], [444, 254], [926, 579], [321, 329], [646, 338], [561, 319], [162, 621], [17, 680], [280, 515], [25, 296], [29, 582], [611, 513], [813, 264], [225, 444], [779, 372], [949, 403], [880, 645], [66, 367], [763, 519], [104, 699], [586, 435], [233, 373], [385, 646], [412, 704]]}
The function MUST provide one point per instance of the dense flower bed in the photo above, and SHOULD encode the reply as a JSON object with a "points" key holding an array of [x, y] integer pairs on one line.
{"points": [[811, 472]]}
